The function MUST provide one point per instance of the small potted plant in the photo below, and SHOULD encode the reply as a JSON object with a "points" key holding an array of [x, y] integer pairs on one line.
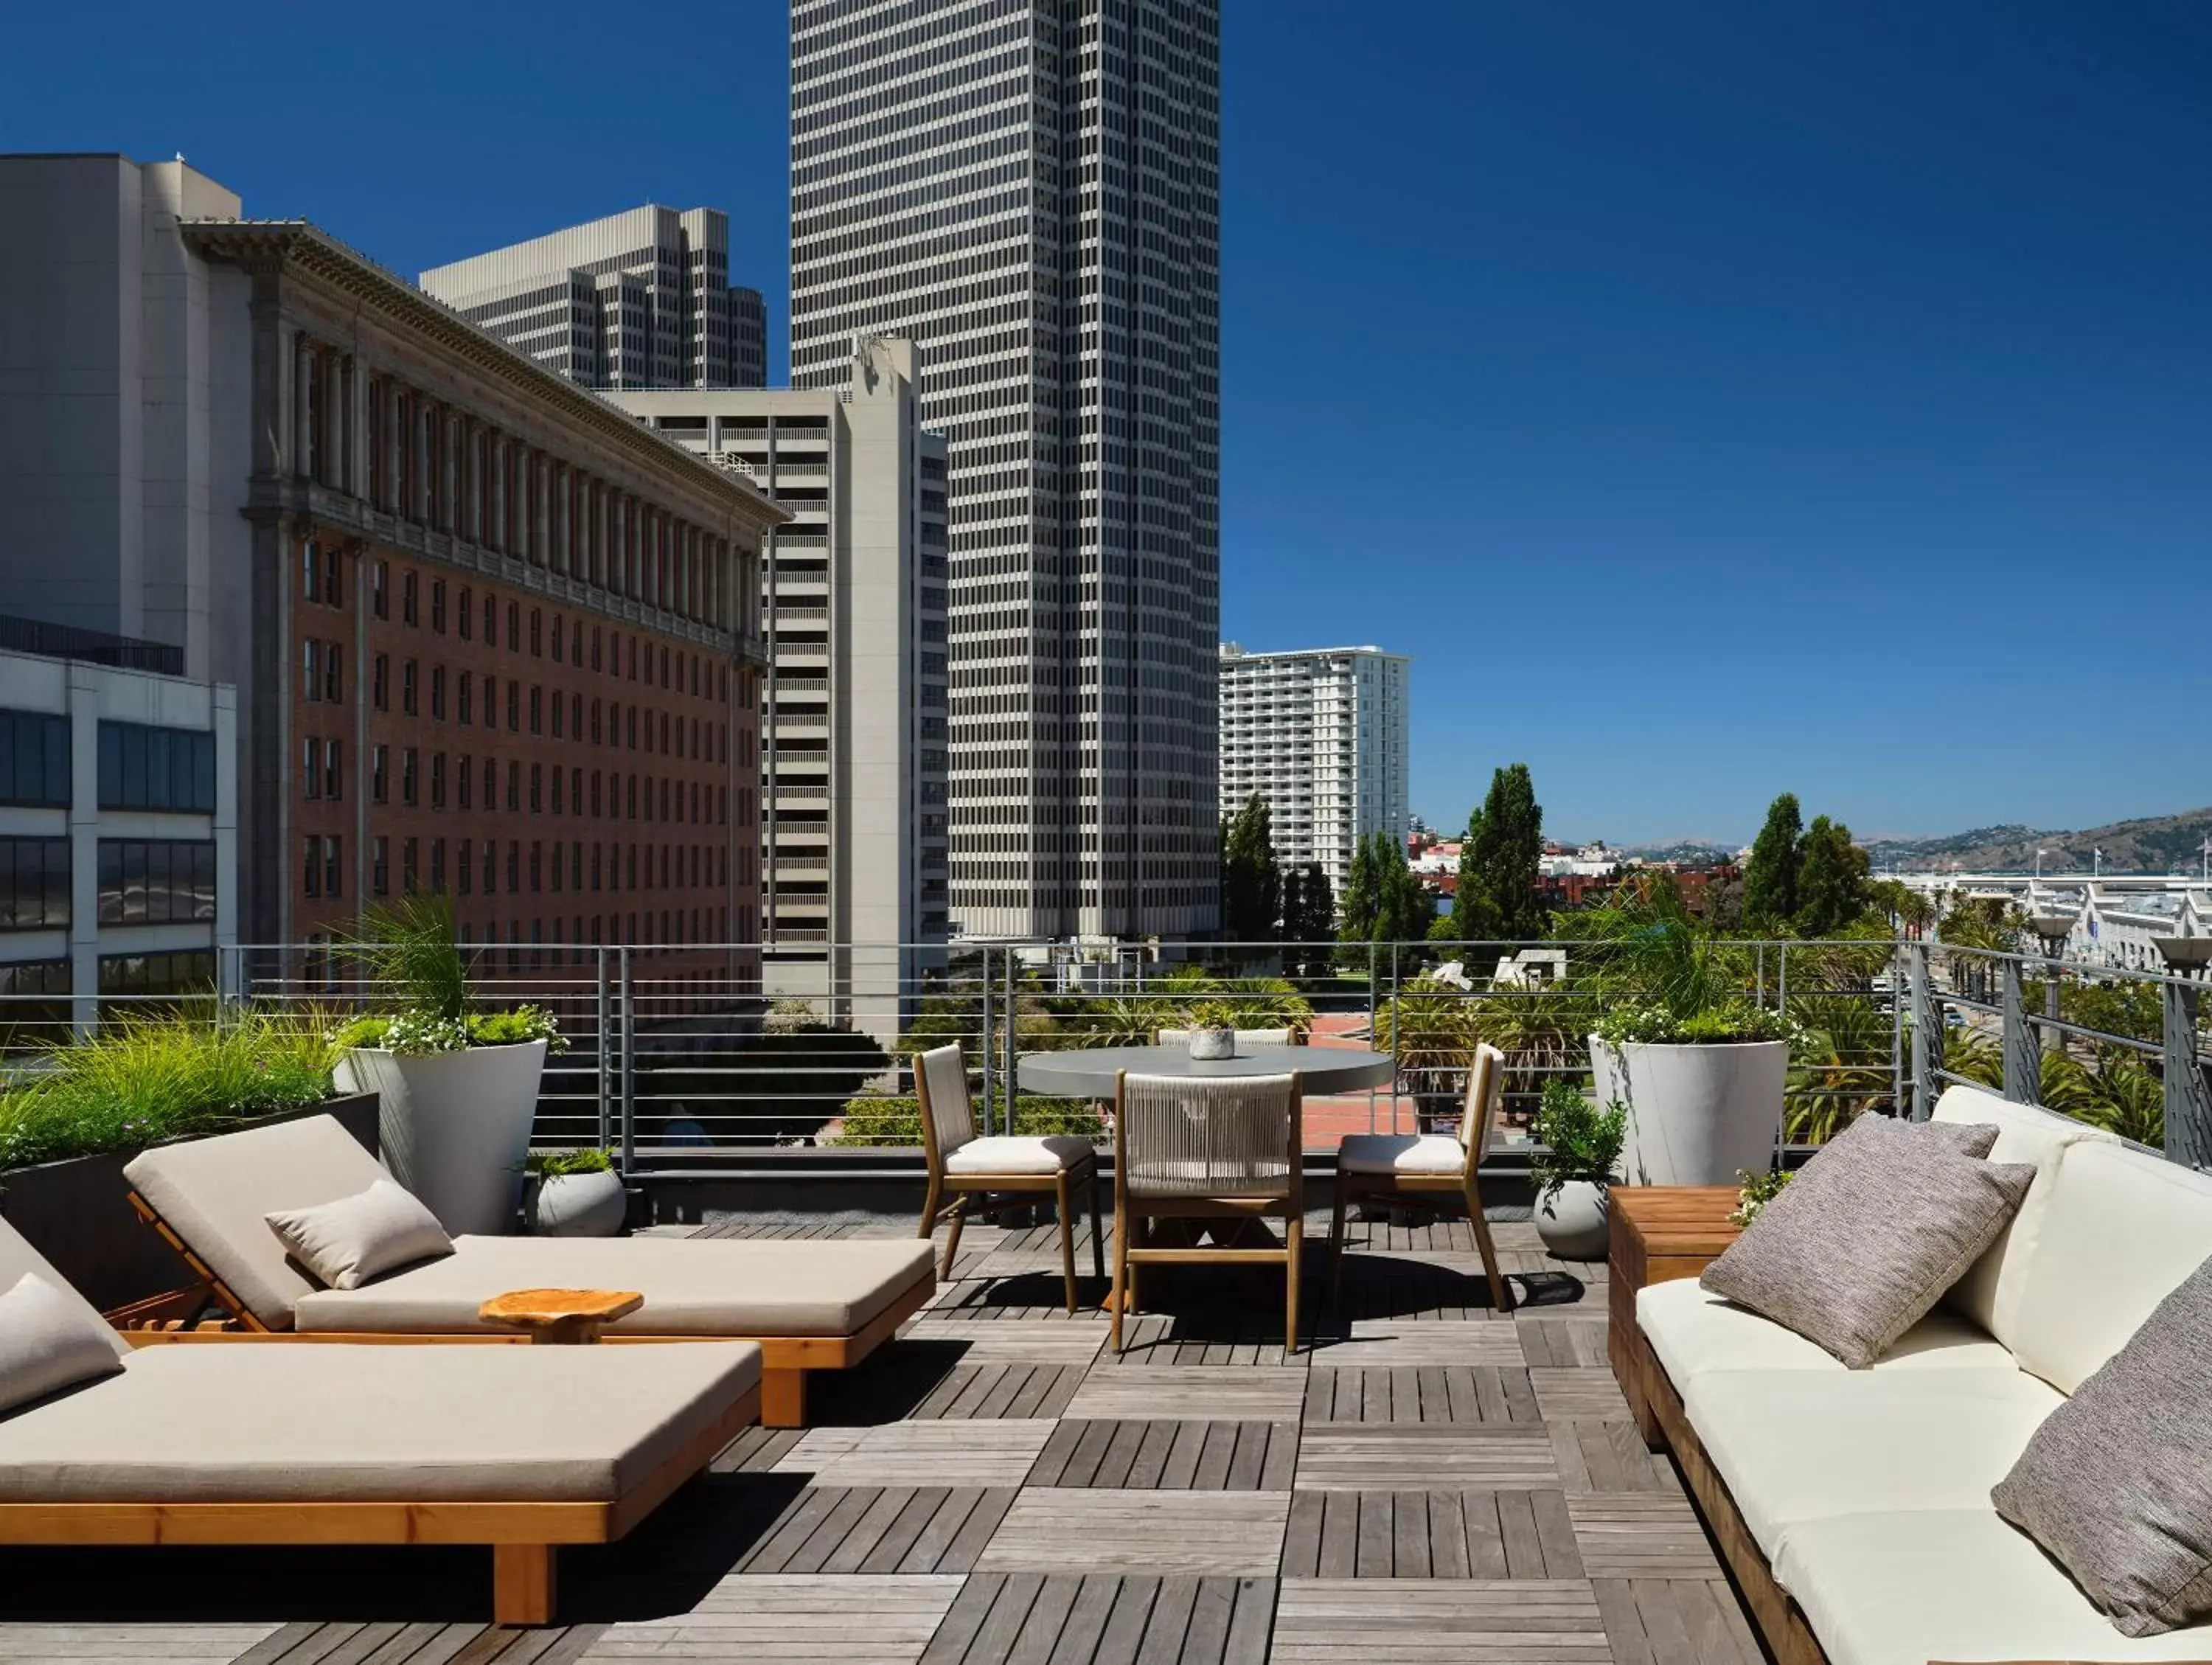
{"points": [[1213, 1030], [1573, 1168], [572, 1193], [458, 1086]]}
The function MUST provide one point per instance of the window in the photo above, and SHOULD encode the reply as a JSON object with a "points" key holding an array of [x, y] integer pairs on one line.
{"points": [[34, 759], [491, 702], [437, 779], [380, 682], [491, 622], [408, 612], [464, 615], [514, 786], [513, 706], [514, 628], [514, 866], [461, 780], [536, 780], [536, 711], [490, 867], [537, 865], [143, 767], [34, 884], [557, 637], [380, 867], [464, 867], [380, 590], [320, 577], [438, 606], [467, 697], [407, 777], [138, 981], [595, 648], [559, 706], [310, 866], [536, 631], [378, 785], [333, 775], [438, 693], [595, 722], [407, 680], [35, 1009], [311, 769], [156, 881], [407, 859]]}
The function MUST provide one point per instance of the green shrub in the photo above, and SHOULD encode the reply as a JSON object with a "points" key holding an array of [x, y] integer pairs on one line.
{"points": [[555, 1165], [1574, 1140], [138, 1081], [883, 1120]]}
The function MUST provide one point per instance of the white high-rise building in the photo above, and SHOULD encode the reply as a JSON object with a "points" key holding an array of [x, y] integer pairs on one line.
{"points": [[637, 300], [1030, 189], [852, 764], [1320, 733]]}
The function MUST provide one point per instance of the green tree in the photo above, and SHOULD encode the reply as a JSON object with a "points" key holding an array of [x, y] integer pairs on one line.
{"points": [[1472, 918], [1832, 878], [1505, 842], [1769, 877], [1316, 921], [1355, 918], [1403, 907], [1251, 881]]}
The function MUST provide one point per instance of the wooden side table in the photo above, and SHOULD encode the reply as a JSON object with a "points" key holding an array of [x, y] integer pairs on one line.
{"points": [[1659, 1232], [559, 1317]]}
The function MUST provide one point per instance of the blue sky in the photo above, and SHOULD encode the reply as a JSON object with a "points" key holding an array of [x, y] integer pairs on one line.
{"points": [[1714, 399]]}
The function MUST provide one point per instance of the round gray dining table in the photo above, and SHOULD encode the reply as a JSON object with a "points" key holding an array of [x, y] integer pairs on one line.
{"points": [[1089, 1073]]}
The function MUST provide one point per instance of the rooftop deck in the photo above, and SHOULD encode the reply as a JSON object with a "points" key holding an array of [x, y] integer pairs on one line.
{"points": [[1428, 1482]]}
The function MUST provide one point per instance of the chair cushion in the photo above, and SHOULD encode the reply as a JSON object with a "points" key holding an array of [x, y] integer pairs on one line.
{"points": [[1402, 1153], [217, 1194], [1802, 1445], [702, 1286], [1868, 1236], [1003, 1153], [1989, 1293], [49, 1342], [1906, 1588], [209, 1423], [346, 1242], [2122, 1229], [17, 1257], [1693, 1333], [2116, 1485]]}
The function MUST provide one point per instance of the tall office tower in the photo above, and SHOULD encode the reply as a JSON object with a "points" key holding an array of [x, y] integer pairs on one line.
{"points": [[852, 801], [637, 300], [1321, 736], [1030, 189]]}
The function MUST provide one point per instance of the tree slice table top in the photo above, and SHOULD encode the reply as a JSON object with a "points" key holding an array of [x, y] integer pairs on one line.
{"points": [[559, 1317]]}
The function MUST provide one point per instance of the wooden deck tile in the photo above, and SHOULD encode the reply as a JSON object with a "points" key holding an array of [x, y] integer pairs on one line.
{"points": [[870, 1621], [1640, 1535], [1581, 1393], [1193, 1534], [132, 1645], [1374, 1343], [1103, 1618], [1169, 1456], [1327, 1621], [1016, 1388], [1200, 1393], [879, 1529], [1034, 1340], [1556, 1342], [926, 1453], [1407, 1456], [1675, 1621], [1419, 1392], [1435, 1534]]}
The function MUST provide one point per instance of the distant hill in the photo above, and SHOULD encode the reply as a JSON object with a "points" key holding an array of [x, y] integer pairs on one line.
{"points": [[2154, 844]]}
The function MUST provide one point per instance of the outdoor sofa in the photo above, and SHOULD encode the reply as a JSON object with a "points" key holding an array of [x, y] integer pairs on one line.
{"points": [[521, 1450], [809, 1304], [1853, 1506]]}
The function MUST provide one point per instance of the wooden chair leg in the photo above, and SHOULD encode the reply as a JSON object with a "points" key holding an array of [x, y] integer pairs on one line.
{"points": [[929, 1204], [1336, 1245], [1067, 1238], [522, 1584], [1294, 1232], [783, 1399], [1118, 1295], [1500, 1296], [952, 1238], [1097, 1230]]}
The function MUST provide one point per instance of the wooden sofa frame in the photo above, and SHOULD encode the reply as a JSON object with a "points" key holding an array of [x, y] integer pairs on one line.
{"points": [[785, 1359], [524, 1537]]}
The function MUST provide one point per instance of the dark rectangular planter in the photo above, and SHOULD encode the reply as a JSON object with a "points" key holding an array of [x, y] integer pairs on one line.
{"points": [[77, 1213]]}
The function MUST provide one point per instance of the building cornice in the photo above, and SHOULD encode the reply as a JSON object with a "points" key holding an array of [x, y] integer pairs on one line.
{"points": [[268, 246]]}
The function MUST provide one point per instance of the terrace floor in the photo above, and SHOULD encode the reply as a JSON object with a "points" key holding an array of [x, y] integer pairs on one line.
{"points": [[1429, 1482]]}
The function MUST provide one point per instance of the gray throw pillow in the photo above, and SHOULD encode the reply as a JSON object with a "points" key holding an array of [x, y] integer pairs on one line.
{"points": [[2116, 1485], [346, 1242], [48, 1342], [1869, 1236]]}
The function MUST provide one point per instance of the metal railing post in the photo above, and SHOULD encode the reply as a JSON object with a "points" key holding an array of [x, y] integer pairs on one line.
{"points": [[990, 1067], [1394, 1050], [1898, 978], [1927, 1034], [2187, 1094], [628, 1067], [1372, 1016], [600, 1046], [1009, 1031], [2023, 1058]]}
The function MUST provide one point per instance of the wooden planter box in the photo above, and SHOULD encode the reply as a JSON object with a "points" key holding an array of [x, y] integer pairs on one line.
{"points": [[77, 1213]]}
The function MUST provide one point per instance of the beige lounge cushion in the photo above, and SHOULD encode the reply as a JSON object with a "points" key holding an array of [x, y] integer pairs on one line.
{"points": [[1694, 1332], [1869, 1236], [1953, 1584], [2116, 1485], [691, 1285], [1989, 1291], [1003, 1153], [17, 1257], [47, 1343], [2122, 1230], [346, 1242], [1798, 1445], [345, 1423], [1402, 1153], [217, 1194]]}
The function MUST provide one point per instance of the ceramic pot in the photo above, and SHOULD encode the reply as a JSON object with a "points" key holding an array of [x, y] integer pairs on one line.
{"points": [[1213, 1044], [1696, 1114], [575, 1205], [1572, 1220], [455, 1126]]}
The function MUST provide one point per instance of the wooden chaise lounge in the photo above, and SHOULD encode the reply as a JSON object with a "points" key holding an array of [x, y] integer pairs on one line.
{"points": [[808, 1304], [521, 1449]]}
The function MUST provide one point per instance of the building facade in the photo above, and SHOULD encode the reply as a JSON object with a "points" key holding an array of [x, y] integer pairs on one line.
{"points": [[635, 300], [118, 841], [1030, 189], [488, 635], [1321, 735], [853, 753]]}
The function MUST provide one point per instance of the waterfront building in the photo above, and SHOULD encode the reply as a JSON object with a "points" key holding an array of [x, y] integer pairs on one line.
{"points": [[1321, 734], [641, 298], [1031, 191]]}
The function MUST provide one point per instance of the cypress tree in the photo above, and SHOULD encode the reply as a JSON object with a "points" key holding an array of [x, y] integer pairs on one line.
{"points": [[1832, 878], [1508, 838], [1251, 881], [1355, 918], [1770, 877]]}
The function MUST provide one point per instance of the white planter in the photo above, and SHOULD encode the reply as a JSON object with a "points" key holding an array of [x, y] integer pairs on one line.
{"points": [[1696, 1114], [455, 1126], [1572, 1221], [1213, 1044], [577, 1205]]}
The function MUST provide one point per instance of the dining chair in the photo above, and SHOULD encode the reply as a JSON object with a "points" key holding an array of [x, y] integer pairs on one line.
{"points": [[1218, 1152], [1378, 1167], [965, 1170]]}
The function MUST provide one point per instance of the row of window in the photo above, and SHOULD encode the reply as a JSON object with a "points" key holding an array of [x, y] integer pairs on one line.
{"points": [[142, 882], [612, 795], [34, 1004], [141, 767], [611, 866]]}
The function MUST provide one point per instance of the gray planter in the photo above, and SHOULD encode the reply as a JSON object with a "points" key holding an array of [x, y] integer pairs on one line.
{"points": [[1572, 1221], [456, 1126], [77, 1213], [575, 1205]]}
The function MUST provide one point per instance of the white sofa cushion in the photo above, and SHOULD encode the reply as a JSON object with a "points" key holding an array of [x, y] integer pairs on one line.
{"points": [[346, 1242], [1402, 1153], [2122, 1230], [1694, 1332], [1907, 1587], [1801, 1445], [1008, 1153], [1989, 1293]]}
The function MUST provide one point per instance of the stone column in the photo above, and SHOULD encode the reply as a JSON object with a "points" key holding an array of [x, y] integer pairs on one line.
{"points": [[303, 395]]}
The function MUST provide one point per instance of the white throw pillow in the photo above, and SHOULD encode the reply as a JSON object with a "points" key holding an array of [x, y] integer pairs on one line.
{"points": [[346, 1242], [48, 1342]]}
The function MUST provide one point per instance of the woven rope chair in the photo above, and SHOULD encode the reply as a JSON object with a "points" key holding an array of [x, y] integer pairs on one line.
{"points": [[1220, 1149], [1378, 1167], [966, 1173]]}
